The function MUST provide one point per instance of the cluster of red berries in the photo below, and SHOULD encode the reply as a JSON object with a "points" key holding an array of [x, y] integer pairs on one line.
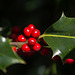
{"points": [[31, 45], [30, 48]]}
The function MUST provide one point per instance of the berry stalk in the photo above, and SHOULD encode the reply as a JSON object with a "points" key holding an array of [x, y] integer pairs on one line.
{"points": [[17, 43]]}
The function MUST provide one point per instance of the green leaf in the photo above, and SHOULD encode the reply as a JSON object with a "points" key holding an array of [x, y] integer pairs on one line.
{"points": [[7, 56], [61, 36]]}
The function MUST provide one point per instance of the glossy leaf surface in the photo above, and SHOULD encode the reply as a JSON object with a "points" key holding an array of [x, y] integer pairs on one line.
{"points": [[61, 36], [7, 56]]}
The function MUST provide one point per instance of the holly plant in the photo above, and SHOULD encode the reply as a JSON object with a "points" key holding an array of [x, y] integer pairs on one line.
{"points": [[57, 41]]}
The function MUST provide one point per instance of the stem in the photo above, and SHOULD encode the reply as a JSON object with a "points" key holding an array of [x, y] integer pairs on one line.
{"points": [[17, 43], [41, 36]]}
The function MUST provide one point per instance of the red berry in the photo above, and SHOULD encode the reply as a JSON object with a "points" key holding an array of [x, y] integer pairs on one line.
{"points": [[25, 48], [21, 38], [13, 36], [37, 47], [16, 40], [69, 61], [19, 51], [55, 58], [31, 41], [44, 51], [30, 53], [16, 30], [31, 26], [14, 49], [27, 31], [35, 33], [41, 39]]}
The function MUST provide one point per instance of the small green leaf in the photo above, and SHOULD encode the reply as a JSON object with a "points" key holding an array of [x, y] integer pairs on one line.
{"points": [[7, 56], [61, 36]]}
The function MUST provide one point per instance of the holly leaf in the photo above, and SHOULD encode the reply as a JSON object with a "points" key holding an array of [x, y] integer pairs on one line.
{"points": [[61, 36], [7, 56]]}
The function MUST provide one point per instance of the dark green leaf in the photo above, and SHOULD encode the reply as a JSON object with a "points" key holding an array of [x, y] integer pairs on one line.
{"points": [[7, 56], [61, 36]]}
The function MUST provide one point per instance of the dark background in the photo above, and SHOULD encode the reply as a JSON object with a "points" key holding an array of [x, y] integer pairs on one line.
{"points": [[41, 13]]}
